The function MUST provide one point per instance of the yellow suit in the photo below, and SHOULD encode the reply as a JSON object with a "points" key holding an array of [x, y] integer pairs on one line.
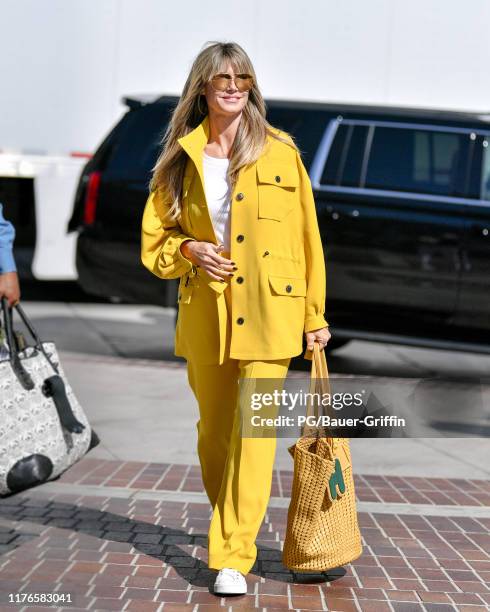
{"points": [[246, 328], [278, 291]]}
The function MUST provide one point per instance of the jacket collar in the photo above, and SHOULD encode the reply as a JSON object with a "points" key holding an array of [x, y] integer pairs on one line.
{"points": [[197, 138], [194, 142]]}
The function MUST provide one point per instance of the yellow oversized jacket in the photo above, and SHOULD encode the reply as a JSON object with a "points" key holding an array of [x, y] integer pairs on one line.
{"points": [[275, 243]]}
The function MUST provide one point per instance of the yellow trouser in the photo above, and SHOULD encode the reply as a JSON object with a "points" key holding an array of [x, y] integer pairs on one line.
{"points": [[236, 470]]}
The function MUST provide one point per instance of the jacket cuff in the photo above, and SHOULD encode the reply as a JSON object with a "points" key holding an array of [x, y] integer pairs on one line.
{"points": [[189, 265], [314, 323]]}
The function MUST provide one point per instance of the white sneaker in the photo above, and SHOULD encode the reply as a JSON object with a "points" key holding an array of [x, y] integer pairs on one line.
{"points": [[230, 581]]}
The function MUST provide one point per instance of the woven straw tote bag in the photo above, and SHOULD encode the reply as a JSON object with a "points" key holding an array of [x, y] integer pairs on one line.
{"points": [[322, 525]]}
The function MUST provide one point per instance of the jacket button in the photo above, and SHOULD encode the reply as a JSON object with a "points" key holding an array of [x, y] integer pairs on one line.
{"points": [[289, 288], [239, 279], [265, 254], [278, 179], [240, 238], [240, 320], [240, 196]]}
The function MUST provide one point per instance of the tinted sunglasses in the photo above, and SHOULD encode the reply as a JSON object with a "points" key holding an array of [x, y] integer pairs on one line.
{"points": [[222, 81]]}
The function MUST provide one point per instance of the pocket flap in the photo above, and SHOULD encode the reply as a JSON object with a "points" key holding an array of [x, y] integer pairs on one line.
{"points": [[277, 173], [288, 285]]}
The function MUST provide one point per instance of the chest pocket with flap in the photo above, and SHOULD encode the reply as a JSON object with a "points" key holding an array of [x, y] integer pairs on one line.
{"points": [[277, 184]]}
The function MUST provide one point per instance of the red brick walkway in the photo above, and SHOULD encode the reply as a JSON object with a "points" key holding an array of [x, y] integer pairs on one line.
{"points": [[132, 536], [171, 476]]}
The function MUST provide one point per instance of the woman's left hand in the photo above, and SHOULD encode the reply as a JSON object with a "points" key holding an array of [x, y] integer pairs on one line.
{"points": [[322, 336]]}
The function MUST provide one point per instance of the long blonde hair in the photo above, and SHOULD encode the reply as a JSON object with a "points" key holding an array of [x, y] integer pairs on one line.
{"points": [[251, 136]]}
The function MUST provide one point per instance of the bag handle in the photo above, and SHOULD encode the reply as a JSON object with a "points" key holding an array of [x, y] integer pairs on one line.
{"points": [[319, 367], [53, 386], [319, 383], [27, 322], [22, 374], [15, 361], [319, 376]]}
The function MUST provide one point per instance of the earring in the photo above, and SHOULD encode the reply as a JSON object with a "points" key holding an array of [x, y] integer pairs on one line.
{"points": [[199, 106]]}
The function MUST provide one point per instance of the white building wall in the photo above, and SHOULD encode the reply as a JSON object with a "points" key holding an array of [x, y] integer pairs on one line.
{"points": [[64, 65]]}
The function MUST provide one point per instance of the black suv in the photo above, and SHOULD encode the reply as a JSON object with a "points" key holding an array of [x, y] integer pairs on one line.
{"points": [[403, 202]]}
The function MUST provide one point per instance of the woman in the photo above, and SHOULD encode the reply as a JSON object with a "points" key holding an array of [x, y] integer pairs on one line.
{"points": [[231, 213]]}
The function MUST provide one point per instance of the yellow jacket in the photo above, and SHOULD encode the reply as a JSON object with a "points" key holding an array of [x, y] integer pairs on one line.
{"points": [[279, 289]]}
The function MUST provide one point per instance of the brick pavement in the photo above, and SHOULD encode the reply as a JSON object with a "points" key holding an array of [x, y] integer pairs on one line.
{"points": [[132, 536]]}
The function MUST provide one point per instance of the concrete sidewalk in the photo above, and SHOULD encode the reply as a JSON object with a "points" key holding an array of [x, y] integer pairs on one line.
{"points": [[145, 411], [119, 359]]}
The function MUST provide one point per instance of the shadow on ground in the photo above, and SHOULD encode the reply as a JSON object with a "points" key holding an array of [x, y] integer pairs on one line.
{"points": [[157, 541]]}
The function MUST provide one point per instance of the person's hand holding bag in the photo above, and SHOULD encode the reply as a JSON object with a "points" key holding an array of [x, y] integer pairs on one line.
{"points": [[9, 287], [322, 336]]}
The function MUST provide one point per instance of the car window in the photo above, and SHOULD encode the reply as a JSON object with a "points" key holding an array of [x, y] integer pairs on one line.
{"points": [[331, 171], [137, 146], [418, 160], [351, 169], [344, 162], [485, 175], [306, 126]]}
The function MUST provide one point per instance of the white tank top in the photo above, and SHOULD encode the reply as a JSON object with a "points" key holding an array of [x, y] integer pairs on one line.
{"points": [[217, 190]]}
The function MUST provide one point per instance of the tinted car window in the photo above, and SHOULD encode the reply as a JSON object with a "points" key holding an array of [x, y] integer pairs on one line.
{"points": [[485, 175], [418, 160], [137, 146], [307, 128], [479, 175], [331, 172], [351, 167], [344, 162]]}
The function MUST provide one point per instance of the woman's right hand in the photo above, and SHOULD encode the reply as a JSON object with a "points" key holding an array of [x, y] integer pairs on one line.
{"points": [[206, 256]]}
